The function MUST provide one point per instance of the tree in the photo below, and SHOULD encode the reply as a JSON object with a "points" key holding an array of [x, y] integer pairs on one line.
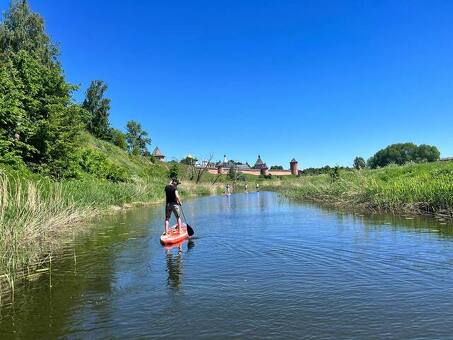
{"points": [[427, 153], [276, 167], [39, 123], [203, 168], [403, 153], [23, 30], [12, 114], [118, 138], [189, 160], [359, 163], [232, 173], [174, 171], [98, 108], [137, 139]]}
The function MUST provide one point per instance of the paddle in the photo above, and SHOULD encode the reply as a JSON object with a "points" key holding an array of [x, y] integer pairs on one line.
{"points": [[189, 228]]}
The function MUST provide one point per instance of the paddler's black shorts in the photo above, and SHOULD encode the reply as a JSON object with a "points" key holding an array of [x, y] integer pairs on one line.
{"points": [[172, 208]]}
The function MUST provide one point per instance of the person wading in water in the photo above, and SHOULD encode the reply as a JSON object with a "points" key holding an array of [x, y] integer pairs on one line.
{"points": [[172, 204]]}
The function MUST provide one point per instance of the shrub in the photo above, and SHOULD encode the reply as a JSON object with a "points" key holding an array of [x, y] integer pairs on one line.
{"points": [[95, 163]]}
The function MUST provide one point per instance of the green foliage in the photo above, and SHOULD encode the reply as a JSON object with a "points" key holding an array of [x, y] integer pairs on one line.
{"points": [[40, 126], [232, 173], [174, 171], [98, 109], [335, 173], [38, 122], [137, 138], [411, 188], [60, 134], [276, 167], [189, 160], [319, 171], [23, 30], [118, 138], [95, 163], [359, 163], [404, 153]]}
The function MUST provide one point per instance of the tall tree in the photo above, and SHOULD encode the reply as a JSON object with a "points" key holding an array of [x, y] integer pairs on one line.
{"points": [[98, 109], [23, 30], [137, 138], [39, 122]]}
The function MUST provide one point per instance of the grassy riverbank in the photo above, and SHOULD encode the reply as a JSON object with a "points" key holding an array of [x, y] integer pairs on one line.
{"points": [[419, 189], [38, 214]]}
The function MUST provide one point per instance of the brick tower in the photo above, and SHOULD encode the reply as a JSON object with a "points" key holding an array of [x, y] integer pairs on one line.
{"points": [[294, 167]]}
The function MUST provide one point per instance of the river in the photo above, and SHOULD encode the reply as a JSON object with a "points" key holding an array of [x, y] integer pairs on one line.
{"points": [[259, 266]]}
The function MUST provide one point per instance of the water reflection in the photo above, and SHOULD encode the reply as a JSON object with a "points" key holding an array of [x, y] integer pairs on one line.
{"points": [[174, 260], [174, 268]]}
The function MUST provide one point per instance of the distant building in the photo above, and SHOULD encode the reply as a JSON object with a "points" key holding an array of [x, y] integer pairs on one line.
{"points": [[226, 165], [446, 159], [294, 167], [259, 164], [259, 168], [157, 154]]}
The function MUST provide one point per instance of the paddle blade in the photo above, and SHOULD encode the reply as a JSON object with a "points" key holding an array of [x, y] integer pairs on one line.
{"points": [[190, 230]]}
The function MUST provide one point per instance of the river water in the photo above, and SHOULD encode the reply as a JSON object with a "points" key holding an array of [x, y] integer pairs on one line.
{"points": [[259, 266]]}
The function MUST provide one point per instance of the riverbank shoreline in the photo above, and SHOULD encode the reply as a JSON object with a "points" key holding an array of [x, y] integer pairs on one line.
{"points": [[414, 189], [412, 211], [38, 216]]}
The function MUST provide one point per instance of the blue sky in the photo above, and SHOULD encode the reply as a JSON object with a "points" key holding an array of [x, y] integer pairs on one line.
{"points": [[321, 81]]}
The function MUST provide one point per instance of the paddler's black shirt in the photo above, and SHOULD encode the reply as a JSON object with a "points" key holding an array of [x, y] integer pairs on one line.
{"points": [[170, 193]]}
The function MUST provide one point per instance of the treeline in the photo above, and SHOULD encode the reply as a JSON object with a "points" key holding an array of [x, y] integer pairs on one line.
{"points": [[40, 124], [398, 154], [404, 153]]}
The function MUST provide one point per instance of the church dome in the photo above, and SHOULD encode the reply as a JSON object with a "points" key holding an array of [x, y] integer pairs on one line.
{"points": [[259, 161]]}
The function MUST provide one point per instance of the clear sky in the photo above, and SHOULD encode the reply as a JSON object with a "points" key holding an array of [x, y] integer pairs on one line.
{"points": [[321, 81]]}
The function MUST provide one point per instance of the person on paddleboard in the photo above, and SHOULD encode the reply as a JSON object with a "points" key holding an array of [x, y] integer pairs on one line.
{"points": [[172, 204]]}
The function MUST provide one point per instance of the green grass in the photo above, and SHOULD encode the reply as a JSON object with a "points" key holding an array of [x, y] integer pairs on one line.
{"points": [[38, 214], [414, 189]]}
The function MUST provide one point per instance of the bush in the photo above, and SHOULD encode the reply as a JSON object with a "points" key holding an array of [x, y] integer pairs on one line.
{"points": [[335, 173], [118, 138], [95, 163], [174, 171]]}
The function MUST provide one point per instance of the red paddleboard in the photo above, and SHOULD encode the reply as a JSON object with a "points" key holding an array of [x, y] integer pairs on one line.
{"points": [[173, 236], [174, 245]]}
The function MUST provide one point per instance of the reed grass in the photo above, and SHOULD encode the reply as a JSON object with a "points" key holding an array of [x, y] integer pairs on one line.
{"points": [[37, 213], [32, 214], [425, 189]]}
